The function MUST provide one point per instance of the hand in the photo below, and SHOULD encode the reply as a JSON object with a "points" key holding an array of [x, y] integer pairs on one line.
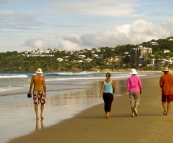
{"points": [[113, 90], [44, 95], [126, 94], [140, 91]]}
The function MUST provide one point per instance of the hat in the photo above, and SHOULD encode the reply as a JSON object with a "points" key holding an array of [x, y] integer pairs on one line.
{"points": [[39, 71], [165, 69], [133, 71]]}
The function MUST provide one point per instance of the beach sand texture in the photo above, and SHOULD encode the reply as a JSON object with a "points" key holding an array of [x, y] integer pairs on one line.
{"points": [[91, 126]]}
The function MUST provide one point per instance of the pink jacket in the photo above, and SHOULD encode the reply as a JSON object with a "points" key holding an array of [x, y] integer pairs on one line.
{"points": [[134, 84]]}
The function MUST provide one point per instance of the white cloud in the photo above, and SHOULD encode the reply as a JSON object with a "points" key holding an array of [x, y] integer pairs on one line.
{"points": [[95, 7], [38, 44], [8, 1], [78, 24], [135, 33], [7, 13], [69, 46]]}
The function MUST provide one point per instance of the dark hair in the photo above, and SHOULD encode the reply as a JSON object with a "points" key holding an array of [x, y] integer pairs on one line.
{"points": [[108, 74]]}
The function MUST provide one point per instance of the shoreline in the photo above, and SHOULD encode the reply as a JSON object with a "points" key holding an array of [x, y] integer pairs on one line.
{"points": [[67, 102], [90, 125]]}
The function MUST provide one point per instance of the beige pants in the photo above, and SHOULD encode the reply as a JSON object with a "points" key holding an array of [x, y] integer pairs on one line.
{"points": [[134, 98]]}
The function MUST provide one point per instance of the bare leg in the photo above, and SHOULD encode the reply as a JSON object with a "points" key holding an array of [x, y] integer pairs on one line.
{"points": [[36, 125], [168, 107], [41, 108], [164, 108], [136, 106], [132, 108], [107, 114], [36, 111], [42, 125], [135, 109]]}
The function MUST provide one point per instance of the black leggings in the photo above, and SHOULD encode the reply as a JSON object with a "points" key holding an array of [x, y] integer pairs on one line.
{"points": [[108, 98]]}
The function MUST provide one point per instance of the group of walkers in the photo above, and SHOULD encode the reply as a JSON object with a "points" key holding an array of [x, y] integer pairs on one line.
{"points": [[133, 90]]}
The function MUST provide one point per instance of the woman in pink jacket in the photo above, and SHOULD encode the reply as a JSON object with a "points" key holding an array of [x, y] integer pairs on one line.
{"points": [[134, 87]]}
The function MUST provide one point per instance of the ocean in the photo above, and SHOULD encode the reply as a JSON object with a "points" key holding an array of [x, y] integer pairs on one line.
{"points": [[68, 93]]}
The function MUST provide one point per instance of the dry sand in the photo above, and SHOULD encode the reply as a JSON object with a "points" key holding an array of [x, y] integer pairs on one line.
{"points": [[91, 126]]}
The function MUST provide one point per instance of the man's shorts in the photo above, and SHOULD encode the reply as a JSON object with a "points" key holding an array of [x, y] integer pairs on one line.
{"points": [[167, 98], [134, 98], [38, 97]]}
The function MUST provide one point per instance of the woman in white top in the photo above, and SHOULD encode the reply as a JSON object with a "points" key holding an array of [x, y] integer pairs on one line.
{"points": [[107, 90]]}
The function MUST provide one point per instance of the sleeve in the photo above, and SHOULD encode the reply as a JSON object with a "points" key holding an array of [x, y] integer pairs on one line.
{"points": [[128, 83], [140, 83], [161, 82]]}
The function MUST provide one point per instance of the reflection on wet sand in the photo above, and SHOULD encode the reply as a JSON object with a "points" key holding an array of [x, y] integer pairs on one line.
{"points": [[59, 106], [39, 126]]}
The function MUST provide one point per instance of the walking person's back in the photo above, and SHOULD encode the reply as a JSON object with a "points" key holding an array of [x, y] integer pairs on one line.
{"points": [[39, 91], [107, 90], [134, 87], [166, 84]]}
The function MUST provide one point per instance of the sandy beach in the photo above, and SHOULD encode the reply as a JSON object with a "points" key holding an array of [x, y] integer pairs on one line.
{"points": [[91, 125]]}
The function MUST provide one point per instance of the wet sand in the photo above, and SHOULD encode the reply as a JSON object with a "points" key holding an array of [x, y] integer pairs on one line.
{"points": [[63, 101], [91, 126], [17, 111]]}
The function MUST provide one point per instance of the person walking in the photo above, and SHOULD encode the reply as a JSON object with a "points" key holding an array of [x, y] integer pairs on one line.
{"points": [[107, 90], [134, 88], [166, 85], [39, 91]]}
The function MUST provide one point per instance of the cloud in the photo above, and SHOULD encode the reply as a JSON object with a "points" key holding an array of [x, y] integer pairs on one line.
{"points": [[134, 33], [9, 1], [38, 44], [95, 7], [11, 19], [6, 13], [69, 46], [137, 32]]}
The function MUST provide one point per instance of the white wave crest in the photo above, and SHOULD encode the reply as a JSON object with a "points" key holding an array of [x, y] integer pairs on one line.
{"points": [[89, 78], [13, 76], [72, 73]]}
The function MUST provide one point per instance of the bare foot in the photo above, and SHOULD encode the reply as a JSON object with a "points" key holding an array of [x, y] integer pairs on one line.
{"points": [[41, 117], [164, 112], [107, 117]]}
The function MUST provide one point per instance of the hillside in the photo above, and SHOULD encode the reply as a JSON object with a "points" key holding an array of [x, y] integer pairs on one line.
{"points": [[102, 58]]}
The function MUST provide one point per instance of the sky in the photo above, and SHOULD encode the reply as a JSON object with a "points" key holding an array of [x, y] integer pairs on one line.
{"points": [[82, 24]]}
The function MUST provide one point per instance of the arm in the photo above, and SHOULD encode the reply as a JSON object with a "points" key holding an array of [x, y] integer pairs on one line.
{"points": [[44, 87], [140, 90], [31, 84], [160, 82], [101, 90], [140, 86], [127, 87], [113, 86]]}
